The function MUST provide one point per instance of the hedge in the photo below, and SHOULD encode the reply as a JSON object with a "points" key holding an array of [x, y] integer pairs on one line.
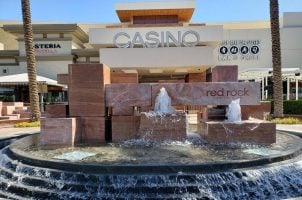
{"points": [[290, 107]]}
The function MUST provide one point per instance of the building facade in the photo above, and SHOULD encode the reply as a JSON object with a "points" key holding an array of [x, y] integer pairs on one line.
{"points": [[157, 42]]}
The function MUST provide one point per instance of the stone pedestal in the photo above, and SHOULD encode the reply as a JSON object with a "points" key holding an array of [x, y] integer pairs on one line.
{"points": [[163, 127], [124, 128], [92, 130], [248, 132], [58, 132]]}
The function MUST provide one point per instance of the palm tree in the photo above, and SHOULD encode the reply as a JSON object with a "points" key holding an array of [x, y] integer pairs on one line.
{"points": [[276, 58], [31, 62]]}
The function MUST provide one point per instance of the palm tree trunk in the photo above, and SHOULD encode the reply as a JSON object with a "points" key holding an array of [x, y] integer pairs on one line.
{"points": [[31, 61], [276, 58]]}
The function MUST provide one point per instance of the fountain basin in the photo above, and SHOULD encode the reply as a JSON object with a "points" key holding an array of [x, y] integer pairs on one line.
{"points": [[24, 175]]}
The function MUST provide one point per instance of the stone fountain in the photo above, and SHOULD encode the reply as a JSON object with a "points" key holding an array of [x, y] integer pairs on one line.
{"points": [[115, 119]]}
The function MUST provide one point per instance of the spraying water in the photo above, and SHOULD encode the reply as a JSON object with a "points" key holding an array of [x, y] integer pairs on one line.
{"points": [[163, 102], [234, 111]]}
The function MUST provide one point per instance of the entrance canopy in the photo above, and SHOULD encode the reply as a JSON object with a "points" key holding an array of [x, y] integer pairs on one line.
{"points": [[258, 74], [22, 79]]}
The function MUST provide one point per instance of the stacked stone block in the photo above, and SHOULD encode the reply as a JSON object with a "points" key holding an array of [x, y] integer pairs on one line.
{"points": [[14, 110], [86, 90], [85, 114], [123, 99]]}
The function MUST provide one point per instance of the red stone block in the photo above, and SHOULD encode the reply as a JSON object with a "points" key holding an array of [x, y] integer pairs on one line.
{"points": [[225, 73], [146, 108], [196, 77], [122, 111], [8, 110], [86, 109], [163, 127], [63, 79], [92, 130], [58, 132], [255, 111], [117, 77], [56, 111], [16, 104], [248, 132], [25, 115], [124, 127], [86, 95], [79, 73], [130, 94]]}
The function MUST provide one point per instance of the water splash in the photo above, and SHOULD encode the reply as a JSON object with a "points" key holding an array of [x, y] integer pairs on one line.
{"points": [[163, 102], [234, 111]]}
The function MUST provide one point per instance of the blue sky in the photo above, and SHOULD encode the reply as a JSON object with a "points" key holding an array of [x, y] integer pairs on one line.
{"points": [[102, 11]]}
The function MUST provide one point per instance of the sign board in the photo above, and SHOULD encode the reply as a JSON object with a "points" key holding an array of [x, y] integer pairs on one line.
{"points": [[236, 50], [48, 48], [153, 39], [218, 93], [42, 88]]}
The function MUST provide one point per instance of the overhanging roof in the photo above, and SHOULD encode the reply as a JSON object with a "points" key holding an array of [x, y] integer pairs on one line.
{"points": [[22, 79], [183, 9], [73, 29]]}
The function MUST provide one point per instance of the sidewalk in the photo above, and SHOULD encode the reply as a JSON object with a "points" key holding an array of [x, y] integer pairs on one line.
{"points": [[8, 132], [294, 128]]}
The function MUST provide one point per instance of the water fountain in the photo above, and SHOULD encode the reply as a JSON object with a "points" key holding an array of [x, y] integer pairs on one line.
{"points": [[164, 123], [128, 167]]}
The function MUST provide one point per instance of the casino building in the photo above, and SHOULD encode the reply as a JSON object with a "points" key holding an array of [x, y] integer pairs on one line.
{"points": [[155, 42]]}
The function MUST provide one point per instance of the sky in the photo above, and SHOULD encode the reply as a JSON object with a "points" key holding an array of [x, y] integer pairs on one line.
{"points": [[102, 11]]}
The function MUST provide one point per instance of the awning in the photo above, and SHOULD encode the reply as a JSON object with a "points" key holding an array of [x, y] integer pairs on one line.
{"points": [[22, 79]]}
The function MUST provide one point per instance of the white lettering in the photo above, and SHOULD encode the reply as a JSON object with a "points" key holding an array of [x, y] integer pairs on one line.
{"points": [[154, 39], [121, 45], [138, 39]]}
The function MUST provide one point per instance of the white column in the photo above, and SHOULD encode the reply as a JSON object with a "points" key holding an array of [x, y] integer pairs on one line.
{"points": [[287, 89], [297, 87], [262, 96]]}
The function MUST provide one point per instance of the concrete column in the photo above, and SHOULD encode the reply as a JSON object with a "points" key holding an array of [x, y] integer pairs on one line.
{"points": [[297, 87], [288, 89]]}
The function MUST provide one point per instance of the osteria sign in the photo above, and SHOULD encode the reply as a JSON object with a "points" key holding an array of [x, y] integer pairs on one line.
{"points": [[155, 39]]}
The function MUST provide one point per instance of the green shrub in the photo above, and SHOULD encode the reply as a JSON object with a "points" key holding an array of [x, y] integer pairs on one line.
{"points": [[287, 120], [27, 124], [290, 107]]}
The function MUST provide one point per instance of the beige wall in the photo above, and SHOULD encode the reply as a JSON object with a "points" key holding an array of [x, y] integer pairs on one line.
{"points": [[49, 69], [291, 48], [8, 40], [157, 57]]}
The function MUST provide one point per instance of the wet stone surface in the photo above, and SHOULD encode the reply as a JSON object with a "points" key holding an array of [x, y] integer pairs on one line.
{"points": [[192, 151]]}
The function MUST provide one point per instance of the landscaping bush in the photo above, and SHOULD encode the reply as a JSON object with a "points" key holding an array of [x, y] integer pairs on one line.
{"points": [[287, 120], [27, 124], [290, 107]]}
